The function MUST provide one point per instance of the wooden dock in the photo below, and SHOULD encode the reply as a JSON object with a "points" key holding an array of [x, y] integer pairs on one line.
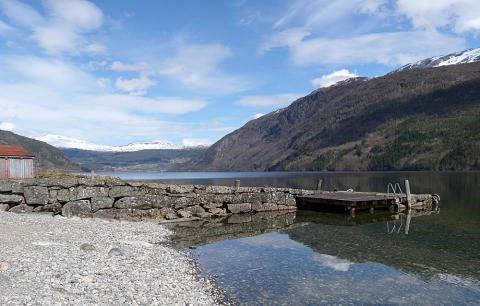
{"points": [[351, 201]]}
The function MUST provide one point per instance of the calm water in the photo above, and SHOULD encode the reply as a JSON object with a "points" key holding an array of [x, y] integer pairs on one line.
{"points": [[318, 258]]}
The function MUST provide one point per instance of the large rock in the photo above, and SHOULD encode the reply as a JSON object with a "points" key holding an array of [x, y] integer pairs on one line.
{"points": [[4, 207], [65, 195], [37, 195], [55, 208], [11, 199], [11, 186], [212, 205], [130, 214], [178, 189], [169, 213], [219, 189], [257, 206], [80, 208], [239, 208], [217, 211], [126, 191], [183, 213], [290, 200], [101, 203], [134, 203], [82, 193], [251, 197], [196, 210], [22, 208], [176, 202]]}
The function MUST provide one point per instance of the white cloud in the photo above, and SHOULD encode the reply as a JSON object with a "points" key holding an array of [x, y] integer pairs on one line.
{"points": [[388, 48], [436, 27], [5, 28], [57, 38], [332, 78], [459, 15], [96, 47], [45, 96], [123, 67], [323, 14], [83, 15], [196, 66], [7, 126], [258, 115], [290, 37], [49, 72], [21, 14], [64, 27], [332, 262], [103, 82], [280, 100], [135, 85], [196, 142]]}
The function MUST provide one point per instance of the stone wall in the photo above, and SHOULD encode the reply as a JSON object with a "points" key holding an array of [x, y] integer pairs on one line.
{"points": [[114, 198]]}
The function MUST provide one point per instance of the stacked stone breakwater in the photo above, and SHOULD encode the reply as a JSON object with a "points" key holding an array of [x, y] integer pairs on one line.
{"points": [[115, 198]]}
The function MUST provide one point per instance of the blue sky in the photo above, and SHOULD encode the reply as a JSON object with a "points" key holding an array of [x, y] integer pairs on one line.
{"points": [[114, 72]]}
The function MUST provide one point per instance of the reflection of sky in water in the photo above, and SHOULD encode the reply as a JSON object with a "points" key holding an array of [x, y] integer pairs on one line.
{"points": [[272, 269]]}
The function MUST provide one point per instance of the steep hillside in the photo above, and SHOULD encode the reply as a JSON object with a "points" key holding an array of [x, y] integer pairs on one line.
{"points": [[46, 156], [416, 118], [144, 160]]}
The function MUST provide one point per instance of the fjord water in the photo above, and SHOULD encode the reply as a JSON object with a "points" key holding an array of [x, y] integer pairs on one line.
{"points": [[311, 258]]}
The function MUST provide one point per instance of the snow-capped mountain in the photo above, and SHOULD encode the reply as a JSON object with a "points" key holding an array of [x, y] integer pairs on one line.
{"points": [[73, 143], [467, 56]]}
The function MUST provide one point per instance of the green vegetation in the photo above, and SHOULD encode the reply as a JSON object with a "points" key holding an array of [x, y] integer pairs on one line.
{"points": [[431, 142], [46, 173]]}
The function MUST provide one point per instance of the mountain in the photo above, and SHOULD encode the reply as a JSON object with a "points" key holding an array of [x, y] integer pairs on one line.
{"points": [[73, 143], [420, 118], [143, 160], [46, 156], [464, 57]]}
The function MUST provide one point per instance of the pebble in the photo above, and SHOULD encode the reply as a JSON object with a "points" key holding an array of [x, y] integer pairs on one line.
{"points": [[87, 247], [45, 260], [116, 252]]}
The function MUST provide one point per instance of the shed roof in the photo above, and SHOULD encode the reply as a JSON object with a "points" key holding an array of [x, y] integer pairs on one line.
{"points": [[14, 151]]}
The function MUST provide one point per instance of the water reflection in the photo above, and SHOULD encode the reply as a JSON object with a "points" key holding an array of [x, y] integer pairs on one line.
{"points": [[318, 258], [313, 258]]}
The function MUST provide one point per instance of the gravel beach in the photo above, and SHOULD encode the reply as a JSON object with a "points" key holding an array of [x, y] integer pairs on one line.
{"points": [[48, 260]]}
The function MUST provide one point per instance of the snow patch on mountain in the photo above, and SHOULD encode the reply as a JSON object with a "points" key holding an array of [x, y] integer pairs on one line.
{"points": [[73, 143], [464, 57]]}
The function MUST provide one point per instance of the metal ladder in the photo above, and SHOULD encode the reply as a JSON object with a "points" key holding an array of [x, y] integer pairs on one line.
{"points": [[394, 189]]}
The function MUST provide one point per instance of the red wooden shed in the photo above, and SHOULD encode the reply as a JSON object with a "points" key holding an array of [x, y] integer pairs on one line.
{"points": [[15, 162]]}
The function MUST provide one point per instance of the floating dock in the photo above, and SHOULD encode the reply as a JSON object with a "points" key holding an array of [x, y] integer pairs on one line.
{"points": [[352, 201]]}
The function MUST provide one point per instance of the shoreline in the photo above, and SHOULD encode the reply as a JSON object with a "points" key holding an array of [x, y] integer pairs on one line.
{"points": [[47, 260]]}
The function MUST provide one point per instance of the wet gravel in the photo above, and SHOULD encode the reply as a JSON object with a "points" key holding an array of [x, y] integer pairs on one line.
{"points": [[48, 260]]}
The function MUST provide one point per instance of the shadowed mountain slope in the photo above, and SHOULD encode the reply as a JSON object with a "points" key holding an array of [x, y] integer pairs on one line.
{"points": [[421, 119], [46, 156]]}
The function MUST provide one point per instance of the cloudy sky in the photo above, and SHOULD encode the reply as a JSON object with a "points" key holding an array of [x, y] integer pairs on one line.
{"points": [[114, 72]]}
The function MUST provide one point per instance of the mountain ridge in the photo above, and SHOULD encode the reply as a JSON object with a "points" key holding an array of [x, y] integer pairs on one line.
{"points": [[46, 156], [365, 124], [65, 142], [462, 57]]}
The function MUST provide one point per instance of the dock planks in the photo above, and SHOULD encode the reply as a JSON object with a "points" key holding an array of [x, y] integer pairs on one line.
{"points": [[344, 200]]}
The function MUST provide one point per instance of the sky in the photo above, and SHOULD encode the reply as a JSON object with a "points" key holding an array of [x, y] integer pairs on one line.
{"points": [[189, 72]]}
